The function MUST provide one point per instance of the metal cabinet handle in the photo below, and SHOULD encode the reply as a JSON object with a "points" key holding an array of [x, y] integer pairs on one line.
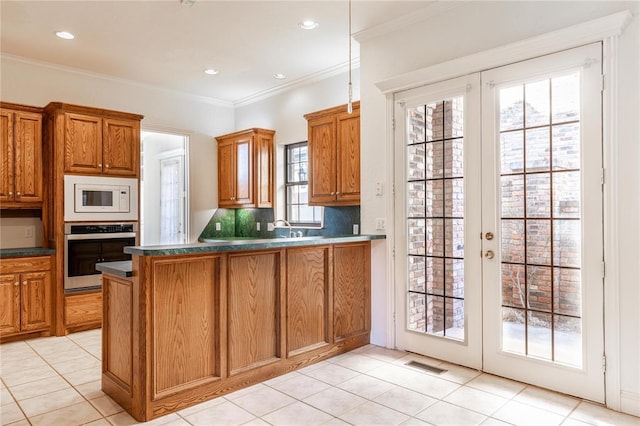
{"points": [[333, 193], [100, 165], [10, 192], [18, 194], [489, 254], [107, 166], [24, 283], [17, 283]]}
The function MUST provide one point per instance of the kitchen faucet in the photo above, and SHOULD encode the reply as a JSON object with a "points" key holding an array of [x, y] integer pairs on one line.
{"points": [[291, 233]]}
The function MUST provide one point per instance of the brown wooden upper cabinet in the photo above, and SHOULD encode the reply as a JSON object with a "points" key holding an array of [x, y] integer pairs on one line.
{"points": [[334, 156], [246, 169], [97, 141], [21, 164]]}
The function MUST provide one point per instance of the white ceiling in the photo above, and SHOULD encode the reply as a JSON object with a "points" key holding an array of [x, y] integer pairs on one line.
{"points": [[168, 44]]}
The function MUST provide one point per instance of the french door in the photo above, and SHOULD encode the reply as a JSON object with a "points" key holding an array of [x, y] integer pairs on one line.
{"points": [[499, 222]]}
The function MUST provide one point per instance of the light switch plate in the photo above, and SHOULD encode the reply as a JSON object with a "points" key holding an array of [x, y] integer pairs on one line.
{"points": [[356, 229], [218, 227], [380, 224], [378, 189]]}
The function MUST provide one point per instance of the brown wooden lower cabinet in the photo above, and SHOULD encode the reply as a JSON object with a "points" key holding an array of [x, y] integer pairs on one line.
{"points": [[25, 296], [185, 329]]}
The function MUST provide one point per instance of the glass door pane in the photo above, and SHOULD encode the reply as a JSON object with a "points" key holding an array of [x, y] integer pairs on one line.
{"points": [[539, 133], [435, 223]]}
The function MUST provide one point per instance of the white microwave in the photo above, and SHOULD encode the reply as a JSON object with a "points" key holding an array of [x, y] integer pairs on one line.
{"points": [[93, 198]]}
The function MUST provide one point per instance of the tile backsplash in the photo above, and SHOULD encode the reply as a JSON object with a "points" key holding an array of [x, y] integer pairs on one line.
{"points": [[243, 223]]}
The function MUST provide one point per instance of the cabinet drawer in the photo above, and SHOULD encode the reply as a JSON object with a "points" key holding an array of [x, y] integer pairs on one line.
{"points": [[83, 309], [25, 264]]}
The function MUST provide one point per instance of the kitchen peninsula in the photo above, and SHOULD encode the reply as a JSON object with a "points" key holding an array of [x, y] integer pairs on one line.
{"points": [[188, 323]]}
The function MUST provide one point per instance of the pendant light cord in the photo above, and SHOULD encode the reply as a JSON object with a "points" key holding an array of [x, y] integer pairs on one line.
{"points": [[350, 103]]}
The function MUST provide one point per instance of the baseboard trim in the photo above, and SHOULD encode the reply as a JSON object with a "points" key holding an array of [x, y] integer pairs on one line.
{"points": [[630, 403]]}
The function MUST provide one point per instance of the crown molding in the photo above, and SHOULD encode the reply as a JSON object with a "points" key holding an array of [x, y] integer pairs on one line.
{"points": [[77, 71], [566, 38], [303, 81], [432, 9]]}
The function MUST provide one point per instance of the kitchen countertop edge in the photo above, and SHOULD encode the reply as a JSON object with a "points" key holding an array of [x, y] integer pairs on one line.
{"points": [[243, 245], [122, 268], [8, 253]]}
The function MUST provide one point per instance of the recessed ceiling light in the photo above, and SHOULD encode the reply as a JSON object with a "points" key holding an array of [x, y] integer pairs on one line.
{"points": [[211, 71], [308, 24], [65, 35], [279, 76]]}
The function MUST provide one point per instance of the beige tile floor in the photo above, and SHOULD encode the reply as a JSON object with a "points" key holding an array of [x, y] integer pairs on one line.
{"points": [[56, 381]]}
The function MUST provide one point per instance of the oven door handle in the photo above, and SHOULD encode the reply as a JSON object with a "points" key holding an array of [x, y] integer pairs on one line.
{"points": [[101, 236]]}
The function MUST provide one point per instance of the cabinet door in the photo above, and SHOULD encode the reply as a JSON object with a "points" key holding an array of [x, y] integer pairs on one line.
{"points": [[35, 300], [226, 173], [253, 315], [307, 299], [264, 170], [351, 290], [322, 160], [348, 156], [121, 147], [28, 157], [244, 171], [83, 144], [6, 160], [9, 304]]}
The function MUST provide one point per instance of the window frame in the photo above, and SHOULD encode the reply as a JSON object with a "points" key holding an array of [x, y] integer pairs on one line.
{"points": [[287, 184]]}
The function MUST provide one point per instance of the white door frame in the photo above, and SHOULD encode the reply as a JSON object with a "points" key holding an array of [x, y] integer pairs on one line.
{"points": [[608, 30], [186, 135]]}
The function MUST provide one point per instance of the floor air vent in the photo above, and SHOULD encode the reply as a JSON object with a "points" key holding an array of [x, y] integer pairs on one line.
{"points": [[425, 367]]}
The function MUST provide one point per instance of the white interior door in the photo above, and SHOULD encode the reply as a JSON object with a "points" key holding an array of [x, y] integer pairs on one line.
{"points": [[172, 196], [499, 221], [437, 250], [542, 200]]}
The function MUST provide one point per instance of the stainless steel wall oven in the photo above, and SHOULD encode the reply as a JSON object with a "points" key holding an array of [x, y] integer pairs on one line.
{"points": [[89, 243]]}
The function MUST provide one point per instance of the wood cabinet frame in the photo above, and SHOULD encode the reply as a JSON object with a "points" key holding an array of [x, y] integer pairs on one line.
{"points": [[334, 156], [100, 129], [188, 328], [246, 172], [21, 174]]}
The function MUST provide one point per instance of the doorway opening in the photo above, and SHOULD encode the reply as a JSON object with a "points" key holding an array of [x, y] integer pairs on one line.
{"points": [[500, 241], [164, 191]]}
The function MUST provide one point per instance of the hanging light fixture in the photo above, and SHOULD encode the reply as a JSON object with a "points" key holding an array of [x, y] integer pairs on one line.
{"points": [[350, 103]]}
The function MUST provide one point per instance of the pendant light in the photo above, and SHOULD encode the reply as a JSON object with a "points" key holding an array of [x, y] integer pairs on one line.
{"points": [[350, 103]]}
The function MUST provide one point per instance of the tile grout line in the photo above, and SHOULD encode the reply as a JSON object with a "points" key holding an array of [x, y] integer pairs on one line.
{"points": [[66, 380]]}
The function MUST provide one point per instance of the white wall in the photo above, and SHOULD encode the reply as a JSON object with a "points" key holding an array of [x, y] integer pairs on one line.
{"points": [[475, 27], [284, 114], [37, 84]]}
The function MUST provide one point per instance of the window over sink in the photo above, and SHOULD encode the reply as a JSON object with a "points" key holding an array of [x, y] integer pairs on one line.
{"points": [[296, 173]]}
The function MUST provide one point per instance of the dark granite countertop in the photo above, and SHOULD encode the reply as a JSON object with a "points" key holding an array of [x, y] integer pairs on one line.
{"points": [[239, 244], [119, 269], [26, 252]]}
